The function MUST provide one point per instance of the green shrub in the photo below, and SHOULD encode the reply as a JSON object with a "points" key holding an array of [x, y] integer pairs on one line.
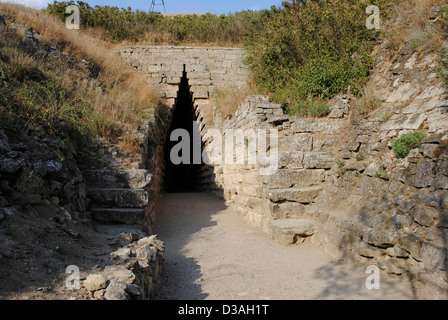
{"points": [[403, 146], [309, 108], [125, 24], [312, 49]]}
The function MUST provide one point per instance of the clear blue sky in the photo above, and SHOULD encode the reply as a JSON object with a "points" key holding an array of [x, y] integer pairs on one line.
{"points": [[173, 6]]}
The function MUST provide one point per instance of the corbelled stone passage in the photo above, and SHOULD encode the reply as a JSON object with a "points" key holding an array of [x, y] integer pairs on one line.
{"points": [[186, 78], [339, 184], [182, 177], [208, 67]]}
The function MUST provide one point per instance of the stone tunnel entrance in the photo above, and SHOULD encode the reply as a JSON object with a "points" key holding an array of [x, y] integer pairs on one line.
{"points": [[183, 177]]}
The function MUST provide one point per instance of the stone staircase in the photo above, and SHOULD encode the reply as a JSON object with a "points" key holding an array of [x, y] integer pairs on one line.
{"points": [[292, 193], [294, 224], [118, 196], [291, 231]]}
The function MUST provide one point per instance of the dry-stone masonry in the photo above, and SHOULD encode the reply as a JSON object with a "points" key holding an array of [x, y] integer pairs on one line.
{"points": [[123, 188], [277, 203], [208, 68], [341, 185], [138, 265]]}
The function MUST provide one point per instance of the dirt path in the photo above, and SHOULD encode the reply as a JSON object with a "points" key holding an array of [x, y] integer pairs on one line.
{"points": [[213, 254]]}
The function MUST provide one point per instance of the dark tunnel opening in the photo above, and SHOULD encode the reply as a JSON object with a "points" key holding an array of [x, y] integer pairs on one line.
{"points": [[184, 177]]}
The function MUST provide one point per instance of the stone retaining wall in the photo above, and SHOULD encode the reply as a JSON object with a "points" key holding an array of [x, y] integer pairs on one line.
{"points": [[137, 267], [341, 185]]}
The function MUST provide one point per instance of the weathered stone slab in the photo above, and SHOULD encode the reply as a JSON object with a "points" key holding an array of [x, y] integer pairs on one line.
{"points": [[296, 143], [412, 243], [318, 160], [291, 160], [424, 176], [133, 179], [119, 198], [295, 178], [118, 216], [302, 195], [288, 231], [287, 210], [312, 125]]}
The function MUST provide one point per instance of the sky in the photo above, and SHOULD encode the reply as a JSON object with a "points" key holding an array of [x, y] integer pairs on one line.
{"points": [[172, 6]]}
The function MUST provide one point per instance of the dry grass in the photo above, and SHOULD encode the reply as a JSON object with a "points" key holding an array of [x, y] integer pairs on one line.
{"points": [[368, 103], [228, 99], [127, 92], [410, 24]]}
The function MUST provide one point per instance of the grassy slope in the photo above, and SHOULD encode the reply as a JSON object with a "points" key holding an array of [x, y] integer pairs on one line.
{"points": [[88, 87]]}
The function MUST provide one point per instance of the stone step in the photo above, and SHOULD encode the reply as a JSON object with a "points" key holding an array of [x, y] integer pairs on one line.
{"points": [[118, 216], [296, 143], [117, 179], [286, 178], [306, 160], [300, 195], [291, 231], [118, 198]]}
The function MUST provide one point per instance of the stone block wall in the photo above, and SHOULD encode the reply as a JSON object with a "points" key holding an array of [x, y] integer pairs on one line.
{"points": [[340, 184], [303, 162], [379, 209], [207, 67]]}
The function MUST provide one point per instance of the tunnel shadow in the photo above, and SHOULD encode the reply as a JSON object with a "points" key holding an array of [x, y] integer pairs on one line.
{"points": [[185, 207], [182, 177]]}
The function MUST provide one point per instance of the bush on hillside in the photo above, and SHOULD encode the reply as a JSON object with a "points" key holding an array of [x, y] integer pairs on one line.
{"points": [[311, 50], [137, 26]]}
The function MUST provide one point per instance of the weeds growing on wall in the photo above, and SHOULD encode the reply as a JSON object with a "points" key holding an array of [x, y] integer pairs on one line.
{"points": [[228, 99], [403, 145], [309, 108]]}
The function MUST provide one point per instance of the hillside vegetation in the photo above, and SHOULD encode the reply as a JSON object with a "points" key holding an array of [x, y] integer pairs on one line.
{"points": [[67, 80], [314, 50], [124, 24], [302, 53]]}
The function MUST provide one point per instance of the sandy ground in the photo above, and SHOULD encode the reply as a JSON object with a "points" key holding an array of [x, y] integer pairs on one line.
{"points": [[212, 254]]}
